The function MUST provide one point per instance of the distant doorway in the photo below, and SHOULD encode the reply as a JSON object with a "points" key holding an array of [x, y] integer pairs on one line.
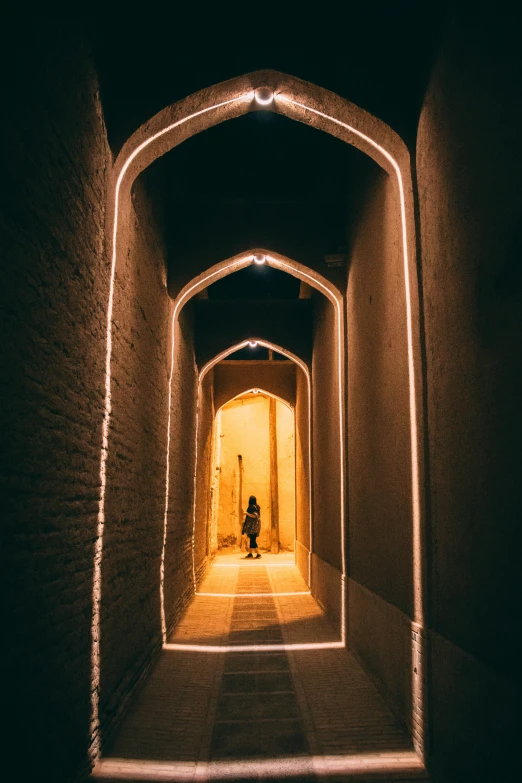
{"points": [[254, 448]]}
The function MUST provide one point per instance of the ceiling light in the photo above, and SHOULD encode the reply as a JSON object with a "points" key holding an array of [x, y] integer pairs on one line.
{"points": [[252, 343], [264, 96], [259, 258]]}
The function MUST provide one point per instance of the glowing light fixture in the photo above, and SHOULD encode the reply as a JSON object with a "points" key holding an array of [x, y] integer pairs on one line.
{"points": [[259, 258], [252, 344], [264, 96]]}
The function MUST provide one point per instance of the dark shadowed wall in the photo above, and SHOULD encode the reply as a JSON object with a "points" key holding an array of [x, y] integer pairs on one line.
{"points": [[469, 173], [379, 458], [54, 292]]}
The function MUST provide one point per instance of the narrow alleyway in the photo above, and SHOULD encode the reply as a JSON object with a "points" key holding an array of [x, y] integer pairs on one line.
{"points": [[255, 684]]}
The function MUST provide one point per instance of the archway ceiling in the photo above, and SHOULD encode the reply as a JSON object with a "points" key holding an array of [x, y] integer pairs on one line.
{"points": [[377, 55], [260, 180], [263, 180]]}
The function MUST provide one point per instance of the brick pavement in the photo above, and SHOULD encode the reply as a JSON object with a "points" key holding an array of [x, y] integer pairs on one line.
{"points": [[257, 707]]}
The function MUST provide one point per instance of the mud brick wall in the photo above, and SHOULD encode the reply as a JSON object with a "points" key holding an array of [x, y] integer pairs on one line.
{"points": [[178, 550], [54, 294], [130, 630]]}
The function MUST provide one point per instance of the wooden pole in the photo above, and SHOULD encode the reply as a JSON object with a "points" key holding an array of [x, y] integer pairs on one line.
{"points": [[240, 498], [274, 484]]}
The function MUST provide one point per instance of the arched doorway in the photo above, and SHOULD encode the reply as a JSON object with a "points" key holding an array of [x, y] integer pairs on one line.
{"points": [[324, 111], [254, 454]]}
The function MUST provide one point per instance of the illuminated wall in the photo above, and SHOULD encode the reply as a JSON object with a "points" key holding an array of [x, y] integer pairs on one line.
{"points": [[245, 431], [381, 588]]}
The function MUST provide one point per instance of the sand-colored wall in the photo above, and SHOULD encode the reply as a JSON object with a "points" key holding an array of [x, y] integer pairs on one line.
{"points": [[233, 377], [205, 446], [379, 458], [245, 431], [325, 426], [469, 172], [302, 473]]}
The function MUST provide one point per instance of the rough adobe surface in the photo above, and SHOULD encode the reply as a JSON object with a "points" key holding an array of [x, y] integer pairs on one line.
{"points": [[325, 423], [54, 296], [469, 170], [178, 550], [302, 461], [379, 457], [135, 495], [234, 377], [204, 469]]}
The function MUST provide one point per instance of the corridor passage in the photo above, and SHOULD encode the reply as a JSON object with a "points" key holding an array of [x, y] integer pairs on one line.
{"points": [[255, 684]]}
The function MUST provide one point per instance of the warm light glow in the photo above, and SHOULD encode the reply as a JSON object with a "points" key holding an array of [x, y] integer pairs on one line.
{"points": [[264, 96], [98, 545], [335, 298], [396, 764], [253, 565], [253, 595], [418, 585], [417, 555], [256, 391], [246, 648], [185, 294], [304, 368], [259, 258], [252, 344]]}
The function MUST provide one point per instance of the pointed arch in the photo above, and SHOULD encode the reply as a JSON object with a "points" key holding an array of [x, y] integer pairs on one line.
{"points": [[321, 284], [318, 108], [203, 372], [256, 390]]}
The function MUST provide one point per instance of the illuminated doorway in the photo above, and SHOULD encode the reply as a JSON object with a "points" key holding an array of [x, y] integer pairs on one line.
{"points": [[254, 454]]}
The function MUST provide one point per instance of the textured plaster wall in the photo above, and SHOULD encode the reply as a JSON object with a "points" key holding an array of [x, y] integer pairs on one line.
{"points": [[234, 377], [378, 403], [54, 294], [178, 550], [245, 431], [135, 495], [326, 446], [379, 461], [469, 172], [205, 469], [302, 472]]}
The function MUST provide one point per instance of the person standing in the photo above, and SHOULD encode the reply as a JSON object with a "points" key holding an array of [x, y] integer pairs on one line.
{"points": [[252, 526]]}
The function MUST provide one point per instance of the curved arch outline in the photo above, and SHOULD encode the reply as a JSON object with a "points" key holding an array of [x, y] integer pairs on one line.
{"points": [[256, 390], [211, 275], [206, 368], [300, 101]]}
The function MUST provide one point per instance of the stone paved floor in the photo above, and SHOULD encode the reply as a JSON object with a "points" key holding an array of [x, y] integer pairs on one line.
{"points": [[238, 694]]}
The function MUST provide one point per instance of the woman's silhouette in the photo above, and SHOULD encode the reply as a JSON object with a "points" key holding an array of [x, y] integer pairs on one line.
{"points": [[252, 526]]}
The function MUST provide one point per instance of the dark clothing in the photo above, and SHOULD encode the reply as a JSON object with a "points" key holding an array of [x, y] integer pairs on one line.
{"points": [[253, 542], [252, 523]]}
